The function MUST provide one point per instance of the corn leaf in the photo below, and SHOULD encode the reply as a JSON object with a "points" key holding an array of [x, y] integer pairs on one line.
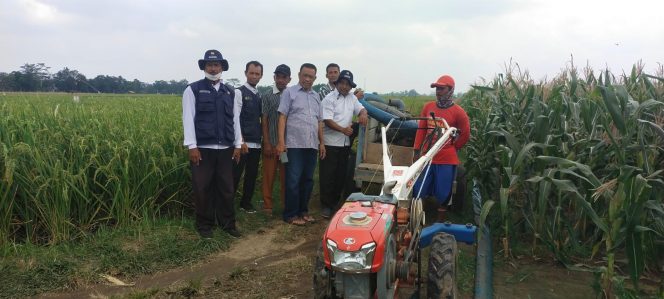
{"points": [[482, 88], [649, 87], [486, 208], [613, 106], [636, 261], [655, 128], [585, 169], [525, 151]]}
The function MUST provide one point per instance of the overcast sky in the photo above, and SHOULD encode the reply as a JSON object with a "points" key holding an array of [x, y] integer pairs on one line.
{"points": [[389, 45]]}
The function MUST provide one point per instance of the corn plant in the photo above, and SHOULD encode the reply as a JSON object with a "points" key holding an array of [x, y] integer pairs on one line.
{"points": [[575, 163]]}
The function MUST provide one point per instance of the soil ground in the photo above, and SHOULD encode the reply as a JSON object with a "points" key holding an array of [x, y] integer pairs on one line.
{"points": [[276, 262]]}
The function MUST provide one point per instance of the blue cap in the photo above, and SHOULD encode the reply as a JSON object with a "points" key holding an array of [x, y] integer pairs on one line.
{"points": [[282, 69], [348, 76], [213, 55]]}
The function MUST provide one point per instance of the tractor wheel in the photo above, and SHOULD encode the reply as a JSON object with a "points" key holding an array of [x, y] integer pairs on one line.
{"points": [[441, 281], [386, 277], [323, 288]]}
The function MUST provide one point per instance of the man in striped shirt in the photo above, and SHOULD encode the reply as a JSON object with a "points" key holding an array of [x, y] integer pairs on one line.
{"points": [[332, 74], [270, 121]]}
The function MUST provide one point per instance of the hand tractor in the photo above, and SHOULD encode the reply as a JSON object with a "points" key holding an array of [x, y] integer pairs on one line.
{"points": [[372, 245]]}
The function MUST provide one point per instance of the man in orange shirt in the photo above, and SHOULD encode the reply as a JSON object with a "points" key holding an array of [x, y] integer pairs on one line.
{"points": [[437, 179]]}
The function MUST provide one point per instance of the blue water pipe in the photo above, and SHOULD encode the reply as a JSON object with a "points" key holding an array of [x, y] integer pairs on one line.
{"points": [[484, 257]]}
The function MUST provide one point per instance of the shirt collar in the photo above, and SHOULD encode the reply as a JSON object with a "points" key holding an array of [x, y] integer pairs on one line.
{"points": [[217, 85], [338, 94], [253, 89], [275, 90], [221, 81], [300, 88]]}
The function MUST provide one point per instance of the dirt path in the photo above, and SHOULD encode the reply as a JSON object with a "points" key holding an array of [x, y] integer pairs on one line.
{"points": [[273, 263], [276, 262]]}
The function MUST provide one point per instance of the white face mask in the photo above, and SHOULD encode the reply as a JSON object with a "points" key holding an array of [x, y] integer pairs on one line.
{"points": [[213, 77]]}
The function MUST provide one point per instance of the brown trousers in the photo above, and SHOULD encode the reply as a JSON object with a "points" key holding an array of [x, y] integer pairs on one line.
{"points": [[271, 165]]}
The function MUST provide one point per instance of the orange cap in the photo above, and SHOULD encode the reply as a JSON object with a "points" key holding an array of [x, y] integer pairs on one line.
{"points": [[444, 80]]}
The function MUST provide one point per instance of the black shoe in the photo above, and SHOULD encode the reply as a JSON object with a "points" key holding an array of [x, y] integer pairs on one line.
{"points": [[233, 232], [326, 213], [249, 209], [205, 234]]}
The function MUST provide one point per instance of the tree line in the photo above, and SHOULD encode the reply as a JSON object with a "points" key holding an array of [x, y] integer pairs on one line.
{"points": [[37, 77]]}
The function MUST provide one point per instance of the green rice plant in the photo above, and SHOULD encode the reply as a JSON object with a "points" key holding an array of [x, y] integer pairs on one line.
{"points": [[71, 167], [7, 191]]}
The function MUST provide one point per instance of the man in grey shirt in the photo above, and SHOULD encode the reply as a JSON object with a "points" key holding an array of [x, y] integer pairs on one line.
{"points": [[301, 137]]}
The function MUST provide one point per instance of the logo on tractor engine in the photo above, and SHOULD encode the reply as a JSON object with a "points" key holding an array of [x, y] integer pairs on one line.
{"points": [[349, 241], [397, 172]]}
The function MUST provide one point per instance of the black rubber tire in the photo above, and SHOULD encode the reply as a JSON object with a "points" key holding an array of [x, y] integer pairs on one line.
{"points": [[323, 288], [386, 278], [441, 276]]}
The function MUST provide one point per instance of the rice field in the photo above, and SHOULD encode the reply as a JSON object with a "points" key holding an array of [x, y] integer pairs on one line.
{"points": [[70, 164]]}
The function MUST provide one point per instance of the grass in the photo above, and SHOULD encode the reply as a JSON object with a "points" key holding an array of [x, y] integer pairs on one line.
{"points": [[414, 104], [126, 252]]}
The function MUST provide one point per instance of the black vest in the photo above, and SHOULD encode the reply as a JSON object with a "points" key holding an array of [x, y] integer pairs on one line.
{"points": [[250, 117], [214, 113]]}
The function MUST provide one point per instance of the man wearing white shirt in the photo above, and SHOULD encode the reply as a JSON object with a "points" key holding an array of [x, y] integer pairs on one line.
{"points": [[250, 125], [210, 117], [338, 109]]}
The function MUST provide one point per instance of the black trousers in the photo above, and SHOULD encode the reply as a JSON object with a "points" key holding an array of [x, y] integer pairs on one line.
{"points": [[332, 175], [249, 165], [213, 189]]}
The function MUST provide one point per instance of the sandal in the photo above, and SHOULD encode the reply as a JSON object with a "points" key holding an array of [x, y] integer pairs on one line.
{"points": [[296, 221], [308, 218]]}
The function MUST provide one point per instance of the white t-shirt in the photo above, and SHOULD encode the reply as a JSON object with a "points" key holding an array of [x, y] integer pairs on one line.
{"points": [[339, 109]]}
